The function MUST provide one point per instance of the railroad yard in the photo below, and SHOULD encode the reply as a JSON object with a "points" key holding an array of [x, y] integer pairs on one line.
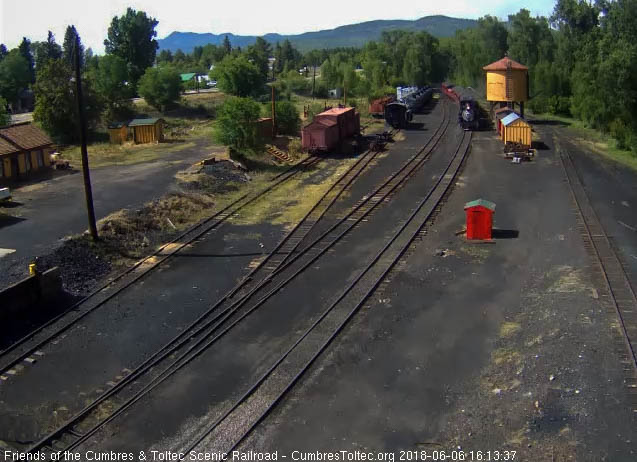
{"points": [[362, 320]]}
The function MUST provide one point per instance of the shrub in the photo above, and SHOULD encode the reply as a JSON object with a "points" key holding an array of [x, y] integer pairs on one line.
{"points": [[236, 124], [4, 116], [287, 118], [160, 87]]}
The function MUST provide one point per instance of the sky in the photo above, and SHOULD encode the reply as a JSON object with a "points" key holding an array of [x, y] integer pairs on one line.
{"points": [[33, 18]]}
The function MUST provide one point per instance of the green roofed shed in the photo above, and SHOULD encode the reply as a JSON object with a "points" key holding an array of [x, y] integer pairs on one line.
{"points": [[147, 130], [484, 203]]}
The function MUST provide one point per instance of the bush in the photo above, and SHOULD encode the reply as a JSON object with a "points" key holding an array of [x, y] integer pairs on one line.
{"points": [[236, 124], [287, 118], [160, 87], [238, 76], [4, 116], [622, 133]]}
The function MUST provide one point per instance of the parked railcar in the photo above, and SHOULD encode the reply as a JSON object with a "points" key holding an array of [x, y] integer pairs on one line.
{"points": [[398, 115]]}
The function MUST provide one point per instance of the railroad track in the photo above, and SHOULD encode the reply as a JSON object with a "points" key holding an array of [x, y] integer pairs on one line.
{"points": [[262, 397], [227, 313], [617, 294], [28, 348]]}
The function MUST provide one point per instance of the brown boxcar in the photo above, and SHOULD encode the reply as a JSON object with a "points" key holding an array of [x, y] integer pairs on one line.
{"points": [[320, 135], [377, 107]]}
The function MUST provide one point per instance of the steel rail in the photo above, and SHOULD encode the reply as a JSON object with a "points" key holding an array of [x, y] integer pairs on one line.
{"points": [[612, 282], [349, 316], [353, 172], [223, 215], [175, 366]]}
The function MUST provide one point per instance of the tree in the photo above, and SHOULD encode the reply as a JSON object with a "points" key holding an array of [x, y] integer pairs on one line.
{"points": [[56, 104], [110, 82], [14, 75], [165, 56], [132, 38], [237, 76], [160, 87], [287, 118], [259, 55], [227, 46], [45, 51], [236, 124], [5, 118], [71, 38], [25, 51]]}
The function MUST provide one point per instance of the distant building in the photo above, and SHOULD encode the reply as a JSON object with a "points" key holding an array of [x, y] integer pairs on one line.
{"points": [[24, 149]]}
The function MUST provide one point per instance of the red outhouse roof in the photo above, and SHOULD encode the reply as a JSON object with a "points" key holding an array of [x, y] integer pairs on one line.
{"points": [[503, 65], [480, 203]]}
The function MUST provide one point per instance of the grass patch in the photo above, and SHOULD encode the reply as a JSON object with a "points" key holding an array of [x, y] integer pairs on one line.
{"points": [[180, 134], [594, 140], [103, 154]]}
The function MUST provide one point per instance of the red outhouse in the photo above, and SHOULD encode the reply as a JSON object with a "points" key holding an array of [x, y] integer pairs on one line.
{"points": [[479, 218]]}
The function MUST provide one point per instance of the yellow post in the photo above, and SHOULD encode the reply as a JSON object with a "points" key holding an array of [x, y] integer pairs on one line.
{"points": [[32, 269]]}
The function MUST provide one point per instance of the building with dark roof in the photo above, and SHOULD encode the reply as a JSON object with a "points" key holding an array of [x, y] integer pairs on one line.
{"points": [[24, 149]]}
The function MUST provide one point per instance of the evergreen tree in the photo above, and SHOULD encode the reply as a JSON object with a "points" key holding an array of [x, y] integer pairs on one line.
{"points": [[71, 40], [227, 46], [27, 54]]}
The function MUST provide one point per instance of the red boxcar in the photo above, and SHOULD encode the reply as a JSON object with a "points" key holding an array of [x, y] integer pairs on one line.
{"points": [[330, 127], [377, 107], [320, 135]]}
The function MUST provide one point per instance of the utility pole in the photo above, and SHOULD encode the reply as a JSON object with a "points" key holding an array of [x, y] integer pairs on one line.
{"points": [[90, 210], [273, 114], [313, 80]]}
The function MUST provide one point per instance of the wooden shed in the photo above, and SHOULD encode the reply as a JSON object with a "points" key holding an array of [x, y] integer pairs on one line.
{"points": [[147, 130], [516, 130], [24, 149], [118, 132]]}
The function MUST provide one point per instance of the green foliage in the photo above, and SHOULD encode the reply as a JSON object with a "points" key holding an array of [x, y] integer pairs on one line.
{"points": [[287, 118], [5, 119], [160, 87], [14, 75], [56, 105], [132, 38], [110, 81], [71, 40], [236, 123], [45, 51], [238, 76], [25, 51]]}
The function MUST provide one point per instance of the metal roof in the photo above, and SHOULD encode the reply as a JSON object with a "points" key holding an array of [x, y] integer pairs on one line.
{"points": [[510, 118], [336, 111], [139, 122], [187, 77], [480, 202], [503, 64], [117, 124]]}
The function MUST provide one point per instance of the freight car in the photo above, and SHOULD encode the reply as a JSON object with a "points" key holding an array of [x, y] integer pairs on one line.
{"points": [[398, 114], [377, 107], [330, 128]]}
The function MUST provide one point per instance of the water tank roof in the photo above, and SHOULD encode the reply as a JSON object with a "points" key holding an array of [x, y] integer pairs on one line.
{"points": [[503, 64]]}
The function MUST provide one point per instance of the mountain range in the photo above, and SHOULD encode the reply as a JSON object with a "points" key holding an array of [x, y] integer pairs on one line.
{"points": [[352, 35]]}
